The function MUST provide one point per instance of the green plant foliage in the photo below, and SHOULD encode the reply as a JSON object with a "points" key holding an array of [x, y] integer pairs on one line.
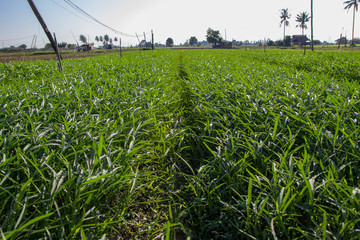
{"points": [[205, 144]]}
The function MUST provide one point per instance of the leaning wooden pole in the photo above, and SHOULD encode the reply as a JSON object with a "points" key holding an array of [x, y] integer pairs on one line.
{"points": [[58, 53], [46, 30]]}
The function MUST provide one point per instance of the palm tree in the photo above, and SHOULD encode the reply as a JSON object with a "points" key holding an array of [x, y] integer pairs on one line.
{"points": [[355, 4], [97, 39], [302, 19], [106, 38], [106, 41], [284, 16], [82, 38]]}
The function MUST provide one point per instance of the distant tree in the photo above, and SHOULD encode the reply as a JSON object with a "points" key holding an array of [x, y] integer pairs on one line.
{"points": [[317, 42], [284, 16], [23, 46], [169, 42], [186, 43], [83, 39], [270, 42], [239, 43], [352, 4], [287, 41], [193, 41], [115, 39], [356, 40], [279, 43], [213, 36], [302, 19], [48, 46], [106, 38], [342, 40], [62, 45], [110, 40], [101, 39], [71, 46], [97, 39]]}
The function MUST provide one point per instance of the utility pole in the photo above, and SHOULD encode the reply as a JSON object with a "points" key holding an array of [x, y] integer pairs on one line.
{"points": [[152, 40], [145, 39], [32, 42], [139, 41], [340, 40], [312, 26], [345, 37], [120, 48], [46, 30], [264, 45], [35, 42]]}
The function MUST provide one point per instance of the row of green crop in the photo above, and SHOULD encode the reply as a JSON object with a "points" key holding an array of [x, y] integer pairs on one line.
{"points": [[210, 144], [82, 151], [276, 151], [339, 66]]}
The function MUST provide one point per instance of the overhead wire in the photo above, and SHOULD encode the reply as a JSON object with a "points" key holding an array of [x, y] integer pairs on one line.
{"points": [[72, 12], [87, 15], [15, 39]]}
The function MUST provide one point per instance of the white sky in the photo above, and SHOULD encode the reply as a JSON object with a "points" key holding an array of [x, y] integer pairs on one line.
{"points": [[243, 20]]}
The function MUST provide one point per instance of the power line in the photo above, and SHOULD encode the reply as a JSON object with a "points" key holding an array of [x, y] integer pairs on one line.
{"points": [[72, 12], [15, 39], [87, 15]]}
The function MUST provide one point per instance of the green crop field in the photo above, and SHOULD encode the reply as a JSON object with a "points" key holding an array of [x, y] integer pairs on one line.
{"points": [[191, 144]]}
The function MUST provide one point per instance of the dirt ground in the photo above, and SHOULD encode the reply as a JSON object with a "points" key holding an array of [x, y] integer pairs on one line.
{"points": [[50, 55], [31, 56]]}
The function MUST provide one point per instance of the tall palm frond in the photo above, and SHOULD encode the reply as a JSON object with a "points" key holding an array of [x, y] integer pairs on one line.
{"points": [[355, 5], [284, 16], [302, 19], [351, 3]]}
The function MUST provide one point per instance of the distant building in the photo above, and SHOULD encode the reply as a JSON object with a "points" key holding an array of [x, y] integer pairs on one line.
{"points": [[87, 47], [108, 46], [205, 43], [223, 44], [145, 44], [300, 40]]}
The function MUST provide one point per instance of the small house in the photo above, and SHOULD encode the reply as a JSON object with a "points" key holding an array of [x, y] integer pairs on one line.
{"points": [[300, 40], [87, 47], [223, 45]]}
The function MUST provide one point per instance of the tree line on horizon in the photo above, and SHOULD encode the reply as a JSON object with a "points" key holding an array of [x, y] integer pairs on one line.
{"points": [[214, 36], [303, 17]]}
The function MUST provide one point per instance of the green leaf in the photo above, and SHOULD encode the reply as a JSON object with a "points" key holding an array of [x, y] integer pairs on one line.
{"points": [[32, 221]]}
